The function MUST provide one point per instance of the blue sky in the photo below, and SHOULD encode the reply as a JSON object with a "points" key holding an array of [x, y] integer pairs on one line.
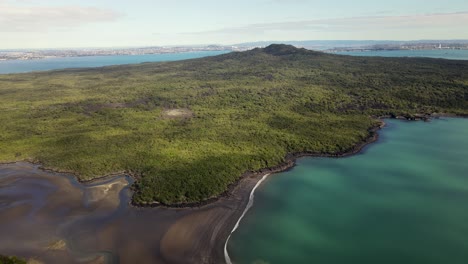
{"points": [[120, 23]]}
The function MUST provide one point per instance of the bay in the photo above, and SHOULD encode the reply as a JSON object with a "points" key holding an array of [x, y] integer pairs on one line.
{"points": [[403, 200]]}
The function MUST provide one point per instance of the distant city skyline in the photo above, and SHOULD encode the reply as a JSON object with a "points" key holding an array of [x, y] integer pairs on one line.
{"points": [[103, 23]]}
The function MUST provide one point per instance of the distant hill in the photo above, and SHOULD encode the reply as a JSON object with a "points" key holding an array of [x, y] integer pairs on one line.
{"points": [[188, 129], [331, 44]]}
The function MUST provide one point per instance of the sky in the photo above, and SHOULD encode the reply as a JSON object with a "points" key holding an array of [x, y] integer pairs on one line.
{"points": [[125, 23]]}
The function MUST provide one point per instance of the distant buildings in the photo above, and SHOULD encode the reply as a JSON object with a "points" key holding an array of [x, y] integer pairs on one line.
{"points": [[54, 53], [41, 54]]}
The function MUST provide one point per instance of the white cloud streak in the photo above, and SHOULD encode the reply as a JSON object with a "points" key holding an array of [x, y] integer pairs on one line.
{"points": [[354, 24], [18, 18]]}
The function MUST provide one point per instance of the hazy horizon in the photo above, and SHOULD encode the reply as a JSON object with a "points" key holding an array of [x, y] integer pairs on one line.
{"points": [[245, 43], [33, 24]]}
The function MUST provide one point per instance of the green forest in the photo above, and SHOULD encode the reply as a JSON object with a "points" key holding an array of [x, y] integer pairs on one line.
{"points": [[188, 129], [11, 260]]}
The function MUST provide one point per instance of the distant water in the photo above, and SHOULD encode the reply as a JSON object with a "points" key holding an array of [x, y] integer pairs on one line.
{"points": [[444, 54], [18, 66], [404, 200]]}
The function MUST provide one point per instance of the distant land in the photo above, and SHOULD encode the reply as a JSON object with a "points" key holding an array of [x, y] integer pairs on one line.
{"points": [[87, 52], [326, 45], [321, 45]]}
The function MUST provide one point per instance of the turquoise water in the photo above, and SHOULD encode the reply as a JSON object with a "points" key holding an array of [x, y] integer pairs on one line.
{"points": [[18, 66], [403, 200], [444, 54]]}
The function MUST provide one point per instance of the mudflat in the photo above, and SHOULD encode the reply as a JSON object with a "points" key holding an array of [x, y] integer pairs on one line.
{"points": [[52, 218]]}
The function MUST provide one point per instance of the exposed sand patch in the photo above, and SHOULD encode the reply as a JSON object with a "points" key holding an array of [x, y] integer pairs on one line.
{"points": [[177, 113], [192, 237], [57, 245], [109, 191], [249, 205], [199, 237]]}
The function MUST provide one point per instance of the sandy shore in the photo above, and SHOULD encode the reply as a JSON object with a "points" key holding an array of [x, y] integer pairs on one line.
{"points": [[247, 208]]}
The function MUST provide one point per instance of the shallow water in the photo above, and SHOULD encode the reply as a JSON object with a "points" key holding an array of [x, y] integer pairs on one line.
{"points": [[403, 200]]}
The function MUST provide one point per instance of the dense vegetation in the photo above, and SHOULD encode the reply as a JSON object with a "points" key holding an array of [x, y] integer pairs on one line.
{"points": [[248, 109], [11, 260]]}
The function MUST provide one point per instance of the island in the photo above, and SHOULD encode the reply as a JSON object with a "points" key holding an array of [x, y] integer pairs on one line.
{"points": [[199, 134], [188, 131]]}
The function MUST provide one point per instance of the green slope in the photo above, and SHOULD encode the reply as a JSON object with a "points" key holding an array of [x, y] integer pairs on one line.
{"points": [[249, 110]]}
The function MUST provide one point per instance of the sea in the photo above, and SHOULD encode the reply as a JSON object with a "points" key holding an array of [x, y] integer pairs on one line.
{"points": [[402, 200], [21, 66], [438, 53]]}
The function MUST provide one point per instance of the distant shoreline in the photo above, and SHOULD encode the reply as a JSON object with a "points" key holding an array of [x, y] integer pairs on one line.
{"points": [[371, 49], [448, 54], [104, 55], [18, 66], [34, 55], [28, 55], [14, 66]]}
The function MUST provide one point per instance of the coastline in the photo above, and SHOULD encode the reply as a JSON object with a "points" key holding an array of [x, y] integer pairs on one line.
{"points": [[210, 224], [291, 162], [398, 132], [199, 233], [227, 259], [287, 164]]}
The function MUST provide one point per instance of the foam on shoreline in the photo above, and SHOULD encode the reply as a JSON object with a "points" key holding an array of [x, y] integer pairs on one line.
{"points": [[249, 205]]}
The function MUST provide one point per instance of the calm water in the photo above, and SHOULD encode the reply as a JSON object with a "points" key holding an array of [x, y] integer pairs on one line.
{"points": [[444, 54], [404, 200], [18, 66]]}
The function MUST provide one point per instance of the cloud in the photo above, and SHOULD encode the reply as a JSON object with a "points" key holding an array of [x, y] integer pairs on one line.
{"points": [[19, 18], [352, 24]]}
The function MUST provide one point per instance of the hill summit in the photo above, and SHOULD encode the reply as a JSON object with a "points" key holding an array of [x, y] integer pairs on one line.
{"points": [[283, 49]]}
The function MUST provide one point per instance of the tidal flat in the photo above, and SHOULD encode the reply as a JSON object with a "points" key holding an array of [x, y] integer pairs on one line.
{"points": [[52, 218]]}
